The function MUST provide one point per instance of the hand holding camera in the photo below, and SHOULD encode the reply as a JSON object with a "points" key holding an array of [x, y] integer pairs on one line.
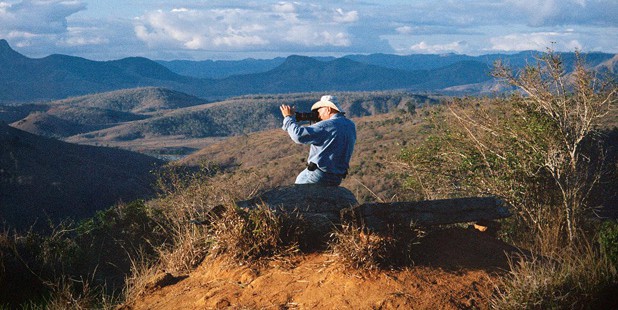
{"points": [[287, 110]]}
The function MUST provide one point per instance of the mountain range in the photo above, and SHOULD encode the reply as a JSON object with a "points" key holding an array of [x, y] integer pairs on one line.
{"points": [[24, 80], [218, 69]]}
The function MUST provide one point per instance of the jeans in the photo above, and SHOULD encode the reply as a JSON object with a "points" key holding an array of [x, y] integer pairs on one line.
{"points": [[317, 176]]}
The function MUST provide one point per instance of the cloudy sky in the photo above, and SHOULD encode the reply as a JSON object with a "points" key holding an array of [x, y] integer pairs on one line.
{"points": [[231, 29]]}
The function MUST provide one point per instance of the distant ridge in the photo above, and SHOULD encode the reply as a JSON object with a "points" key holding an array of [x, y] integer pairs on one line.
{"points": [[610, 66], [413, 62], [87, 113], [135, 100], [54, 77], [302, 74], [218, 69], [7, 54]]}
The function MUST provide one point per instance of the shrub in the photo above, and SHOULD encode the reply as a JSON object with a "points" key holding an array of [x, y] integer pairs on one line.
{"points": [[608, 240], [572, 106], [536, 151]]}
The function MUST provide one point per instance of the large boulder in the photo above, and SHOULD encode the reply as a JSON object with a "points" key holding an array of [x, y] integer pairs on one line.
{"points": [[320, 209], [317, 207]]}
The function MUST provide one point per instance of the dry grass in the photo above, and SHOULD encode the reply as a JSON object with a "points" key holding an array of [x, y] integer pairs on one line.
{"points": [[252, 235], [577, 278], [191, 202], [360, 249], [200, 218], [142, 272]]}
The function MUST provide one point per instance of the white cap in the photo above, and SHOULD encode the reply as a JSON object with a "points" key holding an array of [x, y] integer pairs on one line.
{"points": [[327, 101]]}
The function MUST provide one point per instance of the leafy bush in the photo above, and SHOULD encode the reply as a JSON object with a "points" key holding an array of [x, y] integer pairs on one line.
{"points": [[540, 151], [608, 240], [78, 265]]}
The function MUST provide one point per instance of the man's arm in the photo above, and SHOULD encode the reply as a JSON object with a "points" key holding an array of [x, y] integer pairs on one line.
{"points": [[299, 134]]}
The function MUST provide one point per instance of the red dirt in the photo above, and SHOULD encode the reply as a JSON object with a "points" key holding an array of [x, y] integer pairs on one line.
{"points": [[454, 269]]}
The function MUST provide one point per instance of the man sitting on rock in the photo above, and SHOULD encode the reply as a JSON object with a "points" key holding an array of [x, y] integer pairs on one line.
{"points": [[332, 141]]}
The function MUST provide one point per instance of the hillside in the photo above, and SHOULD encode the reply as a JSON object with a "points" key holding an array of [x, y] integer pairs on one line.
{"points": [[374, 172], [45, 179], [124, 118], [72, 116], [453, 267], [140, 100], [239, 116]]}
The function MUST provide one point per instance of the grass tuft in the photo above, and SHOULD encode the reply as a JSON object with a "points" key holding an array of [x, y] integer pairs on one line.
{"points": [[360, 249], [578, 278], [253, 234]]}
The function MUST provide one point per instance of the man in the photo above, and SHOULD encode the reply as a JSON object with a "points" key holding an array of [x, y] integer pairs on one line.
{"points": [[332, 141]]}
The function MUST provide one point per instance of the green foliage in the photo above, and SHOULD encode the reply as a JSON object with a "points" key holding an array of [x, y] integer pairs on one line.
{"points": [[82, 264], [608, 240], [112, 238], [540, 153]]}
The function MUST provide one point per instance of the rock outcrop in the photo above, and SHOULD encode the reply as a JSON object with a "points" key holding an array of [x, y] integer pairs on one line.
{"points": [[321, 209]]}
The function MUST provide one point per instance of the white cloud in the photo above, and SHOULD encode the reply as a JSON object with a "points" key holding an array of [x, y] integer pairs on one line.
{"points": [[404, 30], [345, 17], [252, 27], [284, 7], [112, 29], [38, 16], [80, 36], [424, 47], [535, 41], [195, 29]]}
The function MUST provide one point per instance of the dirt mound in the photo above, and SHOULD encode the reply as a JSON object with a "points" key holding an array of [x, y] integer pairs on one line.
{"points": [[454, 269]]}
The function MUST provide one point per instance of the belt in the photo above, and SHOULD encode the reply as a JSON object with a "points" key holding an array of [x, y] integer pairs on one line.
{"points": [[311, 166]]}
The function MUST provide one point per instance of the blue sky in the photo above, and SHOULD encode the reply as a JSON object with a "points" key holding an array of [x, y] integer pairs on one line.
{"points": [[180, 29]]}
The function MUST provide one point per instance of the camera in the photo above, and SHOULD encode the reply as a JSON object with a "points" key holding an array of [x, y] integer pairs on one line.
{"points": [[307, 116]]}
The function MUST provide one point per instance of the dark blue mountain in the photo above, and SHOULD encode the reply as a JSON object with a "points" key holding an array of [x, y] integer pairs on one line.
{"points": [[59, 76], [218, 69], [24, 79], [301, 74]]}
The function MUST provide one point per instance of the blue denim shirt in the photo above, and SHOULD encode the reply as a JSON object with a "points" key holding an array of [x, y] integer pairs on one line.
{"points": [[332, 141]]}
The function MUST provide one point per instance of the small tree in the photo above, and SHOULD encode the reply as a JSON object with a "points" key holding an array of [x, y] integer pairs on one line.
{"points": [[573, 103], [535, 148]]}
